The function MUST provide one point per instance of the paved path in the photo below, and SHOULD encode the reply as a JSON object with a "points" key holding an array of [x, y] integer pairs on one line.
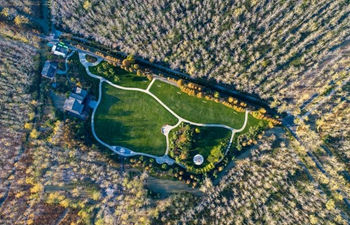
{"points": [[127, 152], [86, 63]]}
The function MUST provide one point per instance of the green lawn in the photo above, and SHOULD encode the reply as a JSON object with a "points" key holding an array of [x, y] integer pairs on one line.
{"points": [[198, 109], [132, 119], [126, 79]]}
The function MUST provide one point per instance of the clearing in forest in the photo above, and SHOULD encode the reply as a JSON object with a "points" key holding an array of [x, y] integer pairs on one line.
{"points": [[136, 116]]}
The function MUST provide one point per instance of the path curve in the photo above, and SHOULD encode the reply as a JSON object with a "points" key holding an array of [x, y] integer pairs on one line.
{"points": [[66, 64], [127, 152]]}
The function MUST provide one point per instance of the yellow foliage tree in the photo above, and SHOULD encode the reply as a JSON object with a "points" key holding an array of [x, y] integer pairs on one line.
{"points": [[87, 5], [20, 19], [330, 205], [180, 82], [19, 194], [126, 63], [31, 116], [65, 203], [262, 110], [34, 134], [17, 20], [200, 95], [28, 126], [37, 188], [84, 215], [96, 195], [313, 219], [5, 12]]}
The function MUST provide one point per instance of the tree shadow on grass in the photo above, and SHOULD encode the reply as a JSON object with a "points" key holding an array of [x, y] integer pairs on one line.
{"points": [[139, 79], [110, 130], [131, 134]]}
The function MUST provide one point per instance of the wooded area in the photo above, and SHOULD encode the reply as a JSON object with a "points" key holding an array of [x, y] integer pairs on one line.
{"points": [[277, 49], [293, 54], [267, 188], [17, 72]]}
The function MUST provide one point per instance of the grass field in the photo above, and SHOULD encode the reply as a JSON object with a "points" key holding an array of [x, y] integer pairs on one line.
{"points": [[132, 119], [126, 79], [198, 109]]}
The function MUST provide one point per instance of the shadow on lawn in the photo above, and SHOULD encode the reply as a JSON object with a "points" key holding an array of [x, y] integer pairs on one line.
{"points": [[133, 136], [139, 79], [111, 131]]}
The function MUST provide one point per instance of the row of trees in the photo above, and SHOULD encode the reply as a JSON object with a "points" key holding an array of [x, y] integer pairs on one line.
{"points": [[231, 102], [28, 7], [325, 133]]}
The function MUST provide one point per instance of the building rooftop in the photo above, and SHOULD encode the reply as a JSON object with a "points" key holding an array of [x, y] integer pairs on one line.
{"points": [[80, 92], [60, 49], [75, 103], [49, 69]]}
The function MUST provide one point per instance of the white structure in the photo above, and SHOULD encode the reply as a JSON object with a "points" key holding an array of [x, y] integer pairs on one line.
{"points": [[60, 49], [166, 129], [198, 159]]}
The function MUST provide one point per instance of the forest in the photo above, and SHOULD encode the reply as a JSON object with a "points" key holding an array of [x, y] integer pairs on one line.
{"points": [[292, 54], [17, 72], [267, 188], [279, 50]]}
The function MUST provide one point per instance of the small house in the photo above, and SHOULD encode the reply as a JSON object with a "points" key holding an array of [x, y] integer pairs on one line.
{"points": [[76, 102], [49, 69]]}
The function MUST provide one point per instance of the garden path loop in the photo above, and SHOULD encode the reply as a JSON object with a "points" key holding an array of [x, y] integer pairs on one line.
{"points": [[127, 152]]}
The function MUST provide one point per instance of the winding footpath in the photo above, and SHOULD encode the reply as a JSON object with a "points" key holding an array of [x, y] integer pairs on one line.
{"points": [[65, 64], [127, 152]]}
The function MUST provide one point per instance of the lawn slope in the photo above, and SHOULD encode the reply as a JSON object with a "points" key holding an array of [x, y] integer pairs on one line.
{"points": [[198, 110], [132, 119]]}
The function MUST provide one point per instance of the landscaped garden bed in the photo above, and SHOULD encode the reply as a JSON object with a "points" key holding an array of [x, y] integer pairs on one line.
{"points": [[91, 59], [187, 141]]}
